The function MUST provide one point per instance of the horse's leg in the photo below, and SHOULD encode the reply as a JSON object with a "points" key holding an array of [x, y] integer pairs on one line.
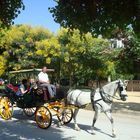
{"points": [[75, 121], [61, 122], [97, 111], [109, 115]]}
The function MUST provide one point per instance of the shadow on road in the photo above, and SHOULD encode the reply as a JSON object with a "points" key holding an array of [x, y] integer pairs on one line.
{"points": [[22, 127], [127, 106], [87, 128]]}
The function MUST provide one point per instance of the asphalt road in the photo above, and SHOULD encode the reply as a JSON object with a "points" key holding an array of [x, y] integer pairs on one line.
{"points": [[24, 128]]}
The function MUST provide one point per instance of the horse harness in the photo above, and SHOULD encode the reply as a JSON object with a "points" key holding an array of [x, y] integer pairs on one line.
{"points": [[104, 97]]}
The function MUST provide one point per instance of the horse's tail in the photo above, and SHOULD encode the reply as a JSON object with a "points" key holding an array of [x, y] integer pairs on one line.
{"points": [[62, 93], [66, 94]]}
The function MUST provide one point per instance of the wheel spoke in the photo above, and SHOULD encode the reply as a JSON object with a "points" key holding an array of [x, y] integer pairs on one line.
{"points": [[68, 116], [43, 117], [65, 115], [6, 108], [29, 111]]}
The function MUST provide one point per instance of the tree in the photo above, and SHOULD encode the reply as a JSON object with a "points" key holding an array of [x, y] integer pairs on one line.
{"points": [[9, 10], [73, 55], [48, 48], [96, 56], [71, 47], [130, 56], [82, 55], [97, 16], [18, 46]]}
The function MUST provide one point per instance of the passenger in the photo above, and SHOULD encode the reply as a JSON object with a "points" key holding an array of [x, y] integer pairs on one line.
{"points": [[23, 89], [44, 82]]}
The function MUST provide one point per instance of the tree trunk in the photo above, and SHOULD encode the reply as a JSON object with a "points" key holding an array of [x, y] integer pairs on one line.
{"points": [[109, 78], [70, 80]]}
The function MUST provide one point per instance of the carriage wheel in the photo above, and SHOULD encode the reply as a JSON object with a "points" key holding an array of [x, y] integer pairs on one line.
{"points": [[43, 117], [6, 108], [29, 111], [65, 115]]}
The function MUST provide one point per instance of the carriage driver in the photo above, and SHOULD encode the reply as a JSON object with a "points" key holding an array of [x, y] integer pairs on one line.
{"points": [[44, 82]]}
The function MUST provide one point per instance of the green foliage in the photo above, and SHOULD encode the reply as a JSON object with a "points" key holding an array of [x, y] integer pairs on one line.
{"points": [[82, 55], [72, 54], [48, 48], [9, 10], [18, 46], [2, 65], [97, 16], [130, 55], [71, 46]]}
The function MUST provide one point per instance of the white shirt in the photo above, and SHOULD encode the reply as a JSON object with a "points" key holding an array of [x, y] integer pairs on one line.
{"points": [[43, 77]]}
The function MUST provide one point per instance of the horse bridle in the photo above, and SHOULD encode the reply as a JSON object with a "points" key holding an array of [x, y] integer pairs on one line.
{"points": [[110, 96], [121, 88]]}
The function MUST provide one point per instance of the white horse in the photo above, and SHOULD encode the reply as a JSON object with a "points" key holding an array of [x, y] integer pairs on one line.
{"points": [[101, 99]]}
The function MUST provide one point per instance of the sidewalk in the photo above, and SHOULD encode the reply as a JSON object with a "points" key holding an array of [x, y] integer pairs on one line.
{"points": [[131, 106]]}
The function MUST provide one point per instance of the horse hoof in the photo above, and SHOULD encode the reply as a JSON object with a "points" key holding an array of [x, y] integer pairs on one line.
{"points": [[92, 133], [77, 129], [113, 136], [62, 123], [59, 124]]}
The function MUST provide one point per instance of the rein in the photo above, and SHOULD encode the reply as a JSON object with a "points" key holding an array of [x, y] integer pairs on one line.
{"points": [[108, 96], [114, 97]]}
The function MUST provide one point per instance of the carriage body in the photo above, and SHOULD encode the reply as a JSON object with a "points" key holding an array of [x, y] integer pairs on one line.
{"points": [[28, 100]]}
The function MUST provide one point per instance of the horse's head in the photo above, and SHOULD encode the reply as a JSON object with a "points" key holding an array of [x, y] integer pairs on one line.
{"points": [[122, 90]]}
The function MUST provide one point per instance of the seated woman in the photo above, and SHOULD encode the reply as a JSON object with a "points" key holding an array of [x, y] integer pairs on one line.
{"points": [[23, 89]]}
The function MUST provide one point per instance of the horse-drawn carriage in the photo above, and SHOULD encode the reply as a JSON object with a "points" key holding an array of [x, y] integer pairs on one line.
{"points": [[33, 103], [65, 109]]}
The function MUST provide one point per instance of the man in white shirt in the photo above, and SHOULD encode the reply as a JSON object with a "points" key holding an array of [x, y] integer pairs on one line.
{"points": [[44, 81]]}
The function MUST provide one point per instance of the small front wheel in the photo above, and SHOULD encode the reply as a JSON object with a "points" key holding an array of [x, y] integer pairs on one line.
{"points": [[43, 117], [65, 115]]}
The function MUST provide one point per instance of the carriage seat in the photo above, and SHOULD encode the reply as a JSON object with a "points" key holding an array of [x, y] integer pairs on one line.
{"points": [[13, 88], [43, 91]]}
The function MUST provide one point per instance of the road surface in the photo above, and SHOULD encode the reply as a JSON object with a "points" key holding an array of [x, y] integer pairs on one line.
{"points": [[24, 128]]}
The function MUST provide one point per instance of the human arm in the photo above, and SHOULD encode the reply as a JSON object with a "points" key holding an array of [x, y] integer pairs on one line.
{"points": [[22, 90]]}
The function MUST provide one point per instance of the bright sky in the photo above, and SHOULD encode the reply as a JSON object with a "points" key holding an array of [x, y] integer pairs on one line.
{"points": [[36, 14]]}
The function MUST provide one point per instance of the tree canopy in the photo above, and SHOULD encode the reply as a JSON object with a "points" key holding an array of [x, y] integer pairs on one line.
{"points": [[9, 10], [97, 16], [70, 53]]}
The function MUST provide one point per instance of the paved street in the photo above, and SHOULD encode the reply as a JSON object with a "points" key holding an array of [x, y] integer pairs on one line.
{"points": [[23, 128]]}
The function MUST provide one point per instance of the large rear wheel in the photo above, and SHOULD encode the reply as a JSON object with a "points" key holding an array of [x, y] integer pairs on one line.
{"points": [[65, 115], [6, 108], [43, 117]]}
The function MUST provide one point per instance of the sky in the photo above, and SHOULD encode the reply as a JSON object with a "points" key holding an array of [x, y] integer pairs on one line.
{"points": [[36, 14]]}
